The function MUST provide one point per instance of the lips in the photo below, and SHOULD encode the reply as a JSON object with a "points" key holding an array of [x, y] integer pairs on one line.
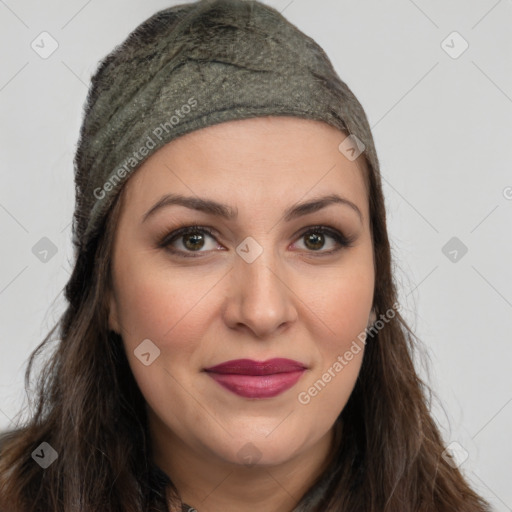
{"points": [[250, 367], [257, 379]]}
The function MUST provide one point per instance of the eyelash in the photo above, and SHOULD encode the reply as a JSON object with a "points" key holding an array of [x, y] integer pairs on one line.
{"points": [[168, 238]]}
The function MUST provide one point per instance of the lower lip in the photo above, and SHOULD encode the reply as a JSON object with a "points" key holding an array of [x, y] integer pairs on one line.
{"points": [[257, 386]]}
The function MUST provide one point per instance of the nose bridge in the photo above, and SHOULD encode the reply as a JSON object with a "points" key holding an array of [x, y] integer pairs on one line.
{"points": [[261, 275]]}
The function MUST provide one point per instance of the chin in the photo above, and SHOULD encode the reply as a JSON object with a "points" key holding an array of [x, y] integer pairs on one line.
{"points": [[261, 451]]}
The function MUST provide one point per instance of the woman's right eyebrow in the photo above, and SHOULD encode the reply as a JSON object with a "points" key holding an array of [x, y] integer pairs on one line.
{"points": [[217, 209], [194, 203]]}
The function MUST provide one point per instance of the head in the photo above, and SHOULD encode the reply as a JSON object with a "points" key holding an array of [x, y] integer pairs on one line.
{"points": [[263, 283], [296, 293], [287, 139]]}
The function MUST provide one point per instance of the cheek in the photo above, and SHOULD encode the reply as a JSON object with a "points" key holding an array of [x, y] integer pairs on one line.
{"points": [[339, 309], [171, 308], [164, 307], [155, 302], [340, 301]]}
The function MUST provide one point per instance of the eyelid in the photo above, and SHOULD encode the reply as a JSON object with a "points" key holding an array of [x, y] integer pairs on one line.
{"points": [[341, 240]]}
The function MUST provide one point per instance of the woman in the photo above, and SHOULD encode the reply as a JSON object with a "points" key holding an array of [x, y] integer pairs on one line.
{"points": [[270, 371]]}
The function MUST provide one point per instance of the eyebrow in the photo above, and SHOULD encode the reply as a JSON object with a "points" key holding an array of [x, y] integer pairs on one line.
{"points": [[227, 212]]}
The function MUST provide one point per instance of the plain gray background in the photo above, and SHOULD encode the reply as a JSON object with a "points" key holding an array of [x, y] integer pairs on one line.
{"points": [[441, 115]]}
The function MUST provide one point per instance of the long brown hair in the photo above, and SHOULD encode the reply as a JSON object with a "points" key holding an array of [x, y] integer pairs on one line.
{"points": [[89, 409]]}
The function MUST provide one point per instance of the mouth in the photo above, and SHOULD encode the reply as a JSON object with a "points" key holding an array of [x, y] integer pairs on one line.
{"points": [[257, 379]]}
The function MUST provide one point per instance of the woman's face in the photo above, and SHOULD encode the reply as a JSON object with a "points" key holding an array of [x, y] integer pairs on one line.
{"points": [[264, 284]]}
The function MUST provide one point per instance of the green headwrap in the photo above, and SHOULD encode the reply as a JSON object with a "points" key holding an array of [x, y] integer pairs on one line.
{"points": [[191, 66]]}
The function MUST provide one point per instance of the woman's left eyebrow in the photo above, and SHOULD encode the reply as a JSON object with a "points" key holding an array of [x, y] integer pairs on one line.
{"points": [[217, 209]]}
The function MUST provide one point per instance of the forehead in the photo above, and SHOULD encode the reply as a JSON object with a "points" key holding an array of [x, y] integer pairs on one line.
{"points": [[264, 160]]}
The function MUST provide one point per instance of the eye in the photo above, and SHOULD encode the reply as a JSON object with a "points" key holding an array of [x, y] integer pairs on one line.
{"points": [[194, 238], [314, 239], [191, 239]]}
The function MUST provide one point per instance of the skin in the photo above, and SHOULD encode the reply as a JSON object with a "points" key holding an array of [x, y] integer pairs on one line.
{"points": [[289, 302]]}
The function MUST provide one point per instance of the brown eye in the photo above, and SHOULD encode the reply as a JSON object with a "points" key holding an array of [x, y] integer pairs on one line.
{"points": [[314, 241], [193, 241]]}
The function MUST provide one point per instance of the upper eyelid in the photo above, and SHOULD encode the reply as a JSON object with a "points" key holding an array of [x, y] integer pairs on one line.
{"points": [[213, 231]]}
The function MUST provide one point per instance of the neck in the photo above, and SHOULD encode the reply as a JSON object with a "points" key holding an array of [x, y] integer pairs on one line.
{"points": [[209, 483]]}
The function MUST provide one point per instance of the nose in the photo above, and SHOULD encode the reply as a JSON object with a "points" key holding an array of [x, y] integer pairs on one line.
{"points": [[259, 298]]}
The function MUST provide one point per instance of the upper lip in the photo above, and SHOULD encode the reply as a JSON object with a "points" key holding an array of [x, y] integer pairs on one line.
{"points": [[250, 367]]}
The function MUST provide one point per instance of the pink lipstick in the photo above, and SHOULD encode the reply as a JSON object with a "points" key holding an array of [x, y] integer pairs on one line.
{"points": [[257, 379]]}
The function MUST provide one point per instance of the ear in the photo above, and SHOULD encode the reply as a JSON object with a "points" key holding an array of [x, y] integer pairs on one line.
{"points": [[113, 322]]}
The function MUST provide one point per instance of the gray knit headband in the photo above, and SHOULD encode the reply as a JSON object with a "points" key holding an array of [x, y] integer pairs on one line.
{"points": [[191, 66]]}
